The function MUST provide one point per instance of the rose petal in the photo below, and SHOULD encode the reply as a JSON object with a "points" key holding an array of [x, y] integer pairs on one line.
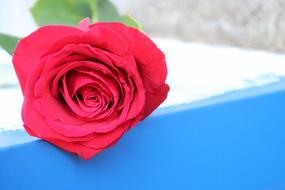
{"points": [[150, 61], [104, 38], [37, 126], [101, 37], [154, 99], [84, 24], [103, 140], [82, 151], [31, 48]]}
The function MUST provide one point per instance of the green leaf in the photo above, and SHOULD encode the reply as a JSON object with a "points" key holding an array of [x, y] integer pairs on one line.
{"points": [[8, 42], [130, 21], [94, 9], [64, 12], [70, 12], [107, 12]]}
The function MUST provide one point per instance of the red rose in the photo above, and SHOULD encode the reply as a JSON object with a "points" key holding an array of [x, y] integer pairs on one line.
{"points": [[85, 87]]}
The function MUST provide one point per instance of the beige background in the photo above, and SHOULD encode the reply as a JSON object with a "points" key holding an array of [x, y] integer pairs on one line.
{"points": [[244, 23]]}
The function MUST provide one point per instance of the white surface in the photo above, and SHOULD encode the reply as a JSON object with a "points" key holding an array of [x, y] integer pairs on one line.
{"points": [[196, 72], [10, 110]]}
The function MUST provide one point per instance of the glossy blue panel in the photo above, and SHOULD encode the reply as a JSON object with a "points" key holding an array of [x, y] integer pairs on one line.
{"points": [[235, 145]]}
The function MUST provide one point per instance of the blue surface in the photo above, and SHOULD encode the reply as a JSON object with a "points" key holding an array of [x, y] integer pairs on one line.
{"points": [[235, 145]]}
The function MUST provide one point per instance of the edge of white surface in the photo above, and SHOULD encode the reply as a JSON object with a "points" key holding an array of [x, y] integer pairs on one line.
{"points": [[19, 136], [226, 97]]}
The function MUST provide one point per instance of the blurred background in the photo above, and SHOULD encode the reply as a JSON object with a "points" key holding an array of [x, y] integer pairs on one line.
{"points": [[212, 47], [244, 23]]}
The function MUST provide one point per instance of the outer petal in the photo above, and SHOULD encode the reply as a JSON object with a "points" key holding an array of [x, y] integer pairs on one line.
{"points": [[102, 38], [150, 62], [154, 99], [82, 151], [36, 125], [30, 49]]}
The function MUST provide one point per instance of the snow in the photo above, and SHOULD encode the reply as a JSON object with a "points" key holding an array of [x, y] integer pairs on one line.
{"points": [[196, 72]]}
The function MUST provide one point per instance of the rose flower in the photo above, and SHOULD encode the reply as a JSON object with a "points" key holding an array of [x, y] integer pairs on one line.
{"points": [[85, 87]]}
